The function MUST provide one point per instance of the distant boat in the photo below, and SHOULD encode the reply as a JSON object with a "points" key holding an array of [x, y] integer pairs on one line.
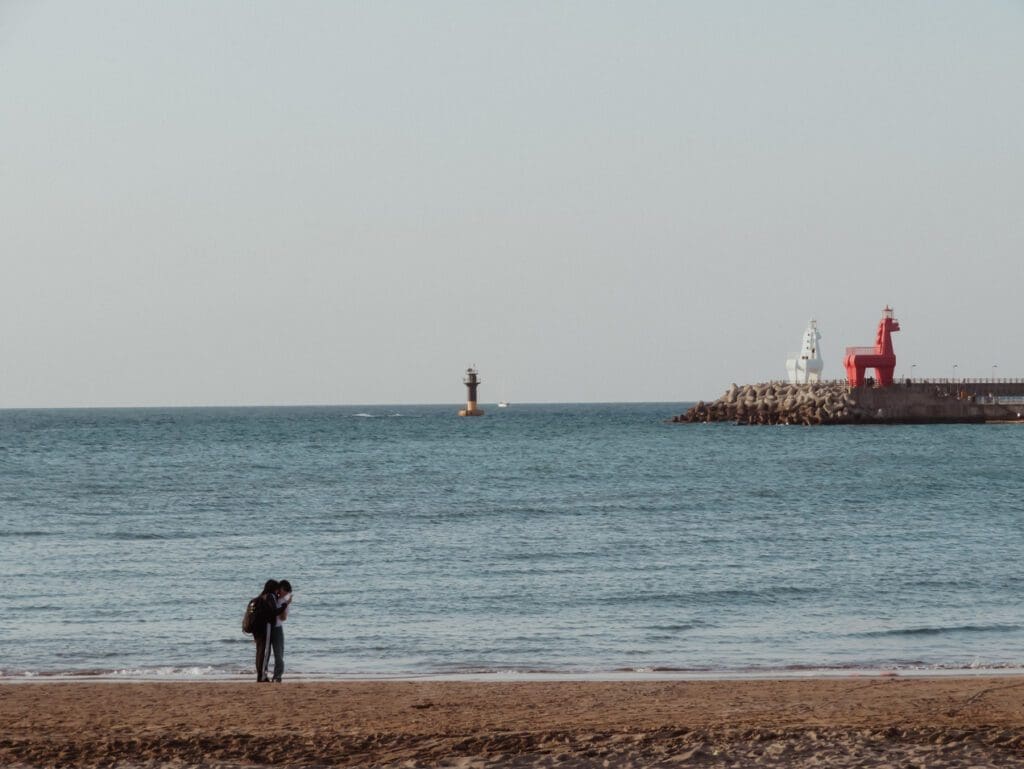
{"points": [[503, 405]]}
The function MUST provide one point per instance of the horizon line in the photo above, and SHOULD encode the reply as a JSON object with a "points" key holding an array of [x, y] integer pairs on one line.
{"points": [[455, 405]]}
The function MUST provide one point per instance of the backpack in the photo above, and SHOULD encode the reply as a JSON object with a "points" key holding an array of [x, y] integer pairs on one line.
{"points": [[251, 616]]}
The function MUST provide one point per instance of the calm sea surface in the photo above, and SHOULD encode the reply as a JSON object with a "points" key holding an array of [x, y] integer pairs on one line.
{"points": [[541, 538]]}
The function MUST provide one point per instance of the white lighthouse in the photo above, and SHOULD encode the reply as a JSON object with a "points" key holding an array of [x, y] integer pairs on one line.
{"points": [[806, 366]]}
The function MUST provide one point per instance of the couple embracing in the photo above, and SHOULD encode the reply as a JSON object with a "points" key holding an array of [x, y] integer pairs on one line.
{"points": [[268, 631]]}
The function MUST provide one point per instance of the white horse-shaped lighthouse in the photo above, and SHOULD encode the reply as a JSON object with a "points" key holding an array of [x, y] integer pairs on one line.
{"points": [[806, 367]]}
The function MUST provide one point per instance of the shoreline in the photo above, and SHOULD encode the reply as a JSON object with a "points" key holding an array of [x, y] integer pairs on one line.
{"points": [[613, 676], [843, 721]]}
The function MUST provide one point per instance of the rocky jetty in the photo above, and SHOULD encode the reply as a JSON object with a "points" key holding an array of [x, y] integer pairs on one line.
{"points": [[836, 403], [779, 403]]}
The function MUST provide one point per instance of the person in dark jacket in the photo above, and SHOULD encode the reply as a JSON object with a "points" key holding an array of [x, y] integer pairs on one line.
{"points": [[267, 610]]}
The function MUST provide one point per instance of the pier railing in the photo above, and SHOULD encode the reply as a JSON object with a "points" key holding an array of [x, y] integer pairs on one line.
{"points": [[1000, 386]]}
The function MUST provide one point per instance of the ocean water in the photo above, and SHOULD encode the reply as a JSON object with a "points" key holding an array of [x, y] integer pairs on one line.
{"points": [[554, 539]]}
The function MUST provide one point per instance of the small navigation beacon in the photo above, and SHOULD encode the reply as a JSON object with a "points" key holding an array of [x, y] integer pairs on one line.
{"points": [[472, 379]]}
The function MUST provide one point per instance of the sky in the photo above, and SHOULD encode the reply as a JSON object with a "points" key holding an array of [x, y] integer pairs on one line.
{"points": [[214, 203]]}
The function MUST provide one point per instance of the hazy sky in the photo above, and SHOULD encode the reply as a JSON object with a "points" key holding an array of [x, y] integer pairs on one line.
{"points": [[329, 202]]}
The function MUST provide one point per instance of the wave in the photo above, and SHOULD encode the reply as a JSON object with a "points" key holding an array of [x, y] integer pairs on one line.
{"points": [[141, 673], [236, 672], [769, 594], [133, 536], [930, 631], [39, 607], [663, 669]]}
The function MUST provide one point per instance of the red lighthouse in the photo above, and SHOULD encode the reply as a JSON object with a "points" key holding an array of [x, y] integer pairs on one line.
{"points": [[880, 357]]}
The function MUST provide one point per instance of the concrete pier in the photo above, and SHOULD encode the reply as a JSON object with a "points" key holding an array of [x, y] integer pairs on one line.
{"points": [[927, 402], [912, 402]]}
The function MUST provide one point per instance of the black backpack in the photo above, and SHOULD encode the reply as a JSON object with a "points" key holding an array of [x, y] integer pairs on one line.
{"points": [[255, 615]]}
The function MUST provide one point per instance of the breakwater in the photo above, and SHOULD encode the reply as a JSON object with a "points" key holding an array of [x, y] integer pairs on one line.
{"points": [[774, 403], [835, 403]]}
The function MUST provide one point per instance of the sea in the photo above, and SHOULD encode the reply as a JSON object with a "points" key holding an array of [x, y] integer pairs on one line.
{"points": [[541, 540]]}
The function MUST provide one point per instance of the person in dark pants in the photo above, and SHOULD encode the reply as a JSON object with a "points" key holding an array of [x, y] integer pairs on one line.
{"points": [[283, 596], [266, 616]]}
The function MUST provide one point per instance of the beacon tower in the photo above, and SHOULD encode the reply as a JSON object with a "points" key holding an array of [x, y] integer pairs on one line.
{"points": [[472, 380], [806, 365], [881, 357]]}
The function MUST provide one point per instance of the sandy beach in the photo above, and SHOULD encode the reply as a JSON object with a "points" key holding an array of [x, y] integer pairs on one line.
{"points": [[933, 722]]}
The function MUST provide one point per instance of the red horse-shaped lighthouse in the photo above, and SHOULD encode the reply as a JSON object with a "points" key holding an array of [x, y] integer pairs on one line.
{"points": [[880, 357]]}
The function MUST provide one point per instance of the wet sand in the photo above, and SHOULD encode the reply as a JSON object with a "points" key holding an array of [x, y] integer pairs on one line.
{"points": [[876, 722]]}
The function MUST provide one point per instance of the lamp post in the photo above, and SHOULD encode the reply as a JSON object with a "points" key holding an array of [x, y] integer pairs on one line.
{"points": [[955, 367], [994, 367], [912, 367]]}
